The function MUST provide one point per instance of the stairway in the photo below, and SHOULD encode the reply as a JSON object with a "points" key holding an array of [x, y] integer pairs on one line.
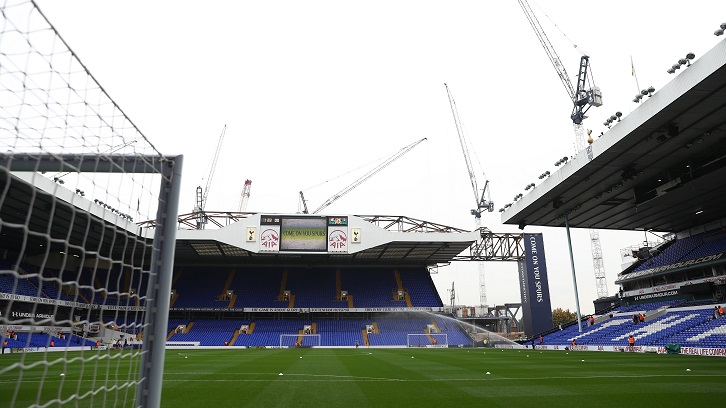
{"points": [[400, 288], [337, 283], [231, 302], [229, 282], [350, 301], [364, 333], [234, 337], [173, 299], [189, 327], [283, 283]]}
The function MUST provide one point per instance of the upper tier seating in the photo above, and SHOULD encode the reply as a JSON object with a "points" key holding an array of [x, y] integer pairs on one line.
{"points": [[262, 288]]}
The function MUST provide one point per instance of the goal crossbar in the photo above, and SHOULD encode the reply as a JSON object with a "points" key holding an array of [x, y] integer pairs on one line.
{"points": [[427, 340], [300, 340]]}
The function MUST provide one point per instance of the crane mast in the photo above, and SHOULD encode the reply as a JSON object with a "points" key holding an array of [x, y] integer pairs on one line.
{"points": [[582, 98], [202, 194], [482, 203], [245, 196], [363, 178]]}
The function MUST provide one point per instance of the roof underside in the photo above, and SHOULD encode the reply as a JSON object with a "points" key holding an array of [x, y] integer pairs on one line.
{"points": [[394, 253], [663, 167]]}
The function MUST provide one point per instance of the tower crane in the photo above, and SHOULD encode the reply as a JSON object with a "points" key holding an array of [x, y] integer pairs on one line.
{"points": [[582, 99], [202, 194], [245, 196], [482, 201], [360, 180], [581, 96]]}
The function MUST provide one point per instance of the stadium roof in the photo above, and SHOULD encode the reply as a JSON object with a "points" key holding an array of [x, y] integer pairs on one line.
{"points": [[662, 167], [385, 240], [37, 204]]}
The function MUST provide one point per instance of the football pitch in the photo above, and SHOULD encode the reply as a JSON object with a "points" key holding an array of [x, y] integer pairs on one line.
{"points": [[364, 377]]}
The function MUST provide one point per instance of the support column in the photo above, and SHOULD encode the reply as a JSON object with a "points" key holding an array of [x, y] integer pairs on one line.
{"points": [[574, 277]]}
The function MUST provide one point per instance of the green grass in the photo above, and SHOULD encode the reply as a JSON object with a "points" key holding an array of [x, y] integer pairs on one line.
{"points": [[392, 378]]}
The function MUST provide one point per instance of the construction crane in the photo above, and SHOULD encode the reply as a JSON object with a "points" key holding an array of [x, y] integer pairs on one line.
{"points": [[245, 196], [582, 99], [360, 180], [202, 194], [481, 199], [581, 96]]}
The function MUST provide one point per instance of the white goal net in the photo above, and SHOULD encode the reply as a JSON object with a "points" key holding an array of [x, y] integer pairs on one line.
{"points": [[299, 340], [427, 340], [84, 290]]}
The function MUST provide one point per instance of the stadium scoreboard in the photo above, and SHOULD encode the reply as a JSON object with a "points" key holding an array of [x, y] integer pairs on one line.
{"points": [[293, 233]]}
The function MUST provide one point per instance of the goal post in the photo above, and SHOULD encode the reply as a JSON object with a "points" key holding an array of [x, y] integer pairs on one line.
{"points": [[76, 270], [427, 340], [300, 340]]}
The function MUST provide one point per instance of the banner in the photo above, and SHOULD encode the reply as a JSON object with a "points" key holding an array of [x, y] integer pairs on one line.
{"points": [[534, 287], [57, 302]]}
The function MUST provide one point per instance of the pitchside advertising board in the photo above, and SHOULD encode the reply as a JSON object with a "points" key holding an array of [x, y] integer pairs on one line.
{"points": [[533, 286], [301, 234]]}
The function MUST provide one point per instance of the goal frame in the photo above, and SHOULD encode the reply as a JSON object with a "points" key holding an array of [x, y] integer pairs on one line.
{"points": [[427, 343], [156, 315], [304, 336]]}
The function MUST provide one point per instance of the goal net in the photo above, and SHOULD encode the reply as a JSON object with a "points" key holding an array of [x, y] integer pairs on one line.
{"points": [[299, 340], [427, 340], [84, 290]]}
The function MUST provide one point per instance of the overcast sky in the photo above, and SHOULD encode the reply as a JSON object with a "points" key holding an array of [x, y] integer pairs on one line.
{"points": [[310, 90]]}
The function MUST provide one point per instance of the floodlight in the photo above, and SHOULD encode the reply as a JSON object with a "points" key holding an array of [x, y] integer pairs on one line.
{"points": [[723, 26], [690, 56], [671, 71], [676, 66], [650, 90], [619, 114], [613, 118], [718, 32], [683, 61]]}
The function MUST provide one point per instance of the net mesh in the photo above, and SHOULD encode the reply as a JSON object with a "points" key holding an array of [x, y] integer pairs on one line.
{"points": [[427, 340], [75, 174], [300, 340]]}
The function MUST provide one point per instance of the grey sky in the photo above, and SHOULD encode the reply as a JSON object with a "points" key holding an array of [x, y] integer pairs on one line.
{"points": [[311, 90]]}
